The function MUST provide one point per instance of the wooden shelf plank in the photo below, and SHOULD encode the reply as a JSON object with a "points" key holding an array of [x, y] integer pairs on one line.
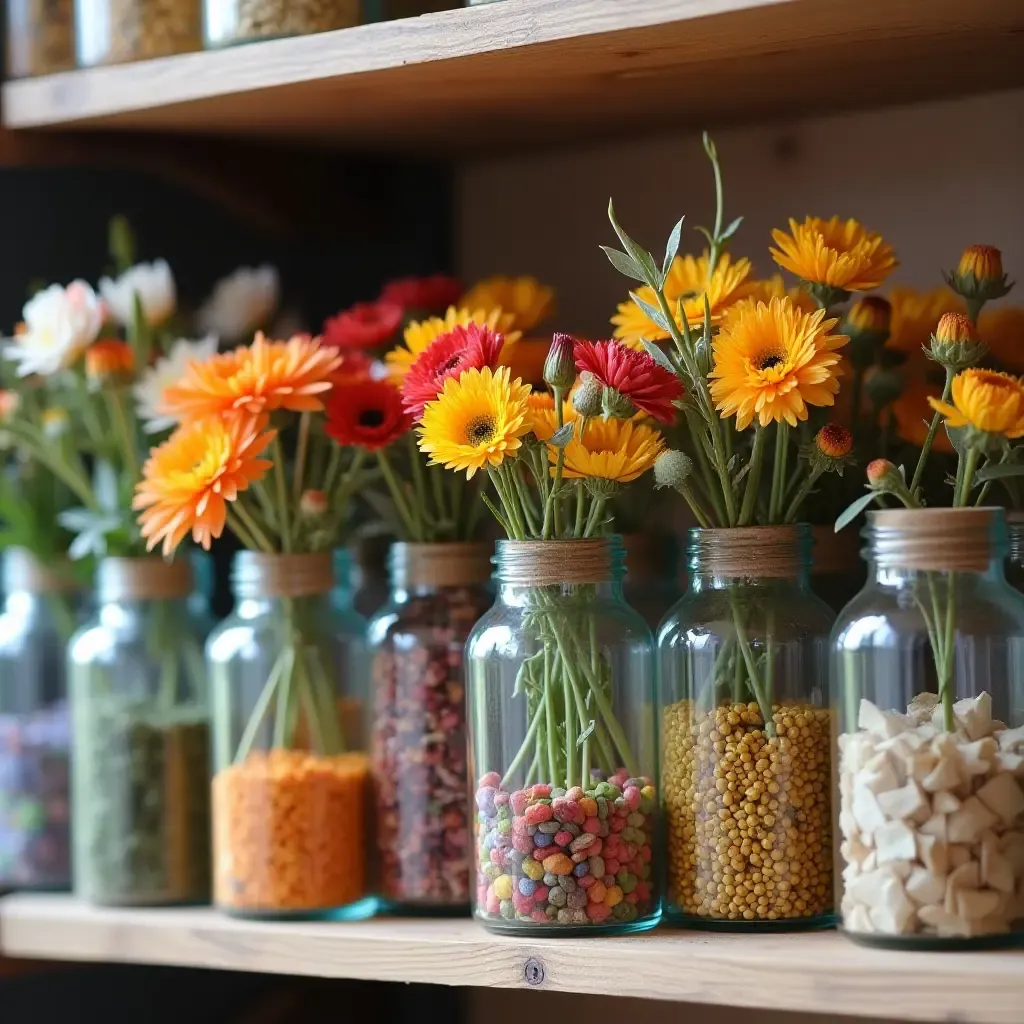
{"points": [[810, 972], [521, 72]]}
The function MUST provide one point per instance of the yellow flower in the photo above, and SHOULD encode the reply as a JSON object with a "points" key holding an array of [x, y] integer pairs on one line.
{"points": [[616, 450], [524, 298], [1002, 330], [476, 421], [987, 400], [765, 290], [773, 361], [687, 280], [420, 333], [543, 422], [954, 329], [915, 315], [870, 315], [835, 253], [982, 262]]}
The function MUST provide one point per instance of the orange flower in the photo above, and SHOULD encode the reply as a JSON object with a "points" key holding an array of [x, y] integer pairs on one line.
{"points": [[261, 377], [982, 262], [834, 440], [110, 358], [188, 480]]}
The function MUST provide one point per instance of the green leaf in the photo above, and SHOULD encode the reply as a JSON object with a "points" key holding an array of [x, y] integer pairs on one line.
{"points": [[561, 437], [659, 356], [731, 229], [957, 438], [998, 471], [854, 509], [671, 248], [586, 733], [653, 313], [624, 264], [643, 259]]}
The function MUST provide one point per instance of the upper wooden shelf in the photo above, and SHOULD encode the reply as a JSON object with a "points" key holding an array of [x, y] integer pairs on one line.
{"points": [[523, 72], [819, 972]]}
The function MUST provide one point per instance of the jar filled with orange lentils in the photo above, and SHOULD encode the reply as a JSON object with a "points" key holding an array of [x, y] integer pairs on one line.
{"points": [[291, 780]]}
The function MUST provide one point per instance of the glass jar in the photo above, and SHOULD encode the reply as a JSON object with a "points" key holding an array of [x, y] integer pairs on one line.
{"points": [[35, 731], [417, 640], [563, 746], [241, 21], [746, 739], [121, 31], [1015, 550], [200, 601], [389, 10], [40, 37], [651, 585], [837, 572], [291, 783], [141, 756], [928, 686]]}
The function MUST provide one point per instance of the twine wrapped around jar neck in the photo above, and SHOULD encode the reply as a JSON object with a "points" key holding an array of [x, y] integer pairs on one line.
{"points": [[936, 539], [255, 574], [545, 563], [751, 552], [448, 564], [24, 573], [143, 579], [834, 554]]}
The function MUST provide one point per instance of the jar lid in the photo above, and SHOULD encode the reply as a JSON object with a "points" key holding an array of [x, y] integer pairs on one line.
{"points": [[448, 564], [941, 539], [25, 573], [546, 563], [143, 579], [766, 552], [255, 574]]}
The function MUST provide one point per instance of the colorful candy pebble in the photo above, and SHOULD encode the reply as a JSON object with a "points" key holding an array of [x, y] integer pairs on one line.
{"points": [[540, 791], [540, 853], [504, 826], [618, 824], [589, 806], [595, 847], [519, 801], [598, 912], [558, 864], [587, 881], [542, 839], [645, 853], [539, 916], [631, 897], [537, 813], [500, 799], [597, 892], [497, 856], [557, 896], [613, 897], [580, 870], [611, 866], [540, 894], [647, 792], [527, 886], [632, 797], [579, 858], [592, 825], [565, 916], [523, 904], [550, 879], [577, 900], [508, 909], [563, 838], [503, 887], [532, 869], [643, 891], [491, 779], [597, 867], [485, 799], [493, 903]]}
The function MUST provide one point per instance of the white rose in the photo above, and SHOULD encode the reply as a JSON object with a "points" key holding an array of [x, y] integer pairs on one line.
{"points": [[154, 283], [58, 324], [241, 303], [166, 371]]}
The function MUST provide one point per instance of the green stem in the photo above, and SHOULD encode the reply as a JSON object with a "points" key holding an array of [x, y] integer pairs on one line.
{"points": [[409, 521], [261, 707], [526, 747], [753, 477], [801, 495], [596, 511], [282, 494], [933, 429], [970, 466], [302, 447], [120, 420], [743, 642], [778, 470], [262, 541]]}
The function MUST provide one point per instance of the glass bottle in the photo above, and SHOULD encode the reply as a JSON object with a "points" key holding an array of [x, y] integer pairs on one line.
{"points": [[291, 783], [417, 641], [40, 37], [1015, 550], [837, 572], [930, 800], [121, 31], [241, 21], [746, 739], [35, 731], [651, 585], [140, 762], [563, 746]]}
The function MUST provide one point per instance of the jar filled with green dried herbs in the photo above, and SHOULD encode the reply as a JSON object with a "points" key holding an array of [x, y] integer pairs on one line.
{"points": [[141, 758]]}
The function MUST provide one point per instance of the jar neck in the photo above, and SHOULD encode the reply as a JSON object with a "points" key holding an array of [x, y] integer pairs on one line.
{"points": [[259, 577], [24, 574], [577, 569], [430, 568], [132, 580], [750, 556]]}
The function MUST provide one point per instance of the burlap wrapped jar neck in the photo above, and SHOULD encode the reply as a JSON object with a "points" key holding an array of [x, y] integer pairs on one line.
{"points": [[934, 539], [256, 575], [24, 573], [765, 552], [545, 563], [449, 564], [834, 554], [143, 579]]}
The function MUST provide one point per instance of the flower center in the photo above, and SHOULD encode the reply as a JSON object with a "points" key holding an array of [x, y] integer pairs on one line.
{"points": [[769, 360], [449, 364], [371, 418], [480, 430]]}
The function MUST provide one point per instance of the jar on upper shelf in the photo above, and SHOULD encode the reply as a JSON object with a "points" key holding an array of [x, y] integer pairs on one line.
{"points": [[141, 807], [563, 746], [40, 611], [40, 37], [928, 690], [121, 31], [417, 640], [226, 22], [746, 737]]}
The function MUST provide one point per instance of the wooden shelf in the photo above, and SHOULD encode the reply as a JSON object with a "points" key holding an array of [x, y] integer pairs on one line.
{"points": [[814, 972], [520, 72]]}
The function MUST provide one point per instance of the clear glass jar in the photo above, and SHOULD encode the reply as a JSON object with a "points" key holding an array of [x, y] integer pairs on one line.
{"points": [[417, 641], [1015, 550], [200, 601], [651, 585], [242, 21], [291, 781], [141, 756], [121, 31], [747, 804], [837, 572], [930, 798], [40, 37], [35, 730], [563, 746]]}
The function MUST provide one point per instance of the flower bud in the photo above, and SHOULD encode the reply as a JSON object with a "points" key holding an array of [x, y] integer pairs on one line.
{"points": [[54, 422], [979, 277], [882, 473], [672, 469], [955, 343], [313, 504], [109, 361], [586, 399], [870, 315], [615, 405], [954, 328], [982, 262], [834, 440], [560, 364], [10, 402]]}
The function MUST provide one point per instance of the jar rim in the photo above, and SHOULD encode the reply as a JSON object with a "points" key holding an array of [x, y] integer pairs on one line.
{"points": [[440, 563], [544, 563], [936, 539], [257, 574], [23, 572], [770, 552], [143, 578]]}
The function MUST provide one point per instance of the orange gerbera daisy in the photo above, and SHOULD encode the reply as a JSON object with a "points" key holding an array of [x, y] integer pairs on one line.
{"points": [[188, 480], [260, 377], [986, 400], [835, 253]]}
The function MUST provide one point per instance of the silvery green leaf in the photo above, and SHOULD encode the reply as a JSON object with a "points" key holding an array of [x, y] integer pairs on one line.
{"points": [[643, 259], [561, 437], [731, 229], [998, 471], [957, 438], [853, 510], [653, 313], [672, 247], [659, 356], [624, 264], [586, 733], [105, 485]]}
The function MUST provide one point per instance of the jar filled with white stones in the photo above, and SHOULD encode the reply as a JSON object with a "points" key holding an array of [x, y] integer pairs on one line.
{"points": [[227, 22], [928, 686]]}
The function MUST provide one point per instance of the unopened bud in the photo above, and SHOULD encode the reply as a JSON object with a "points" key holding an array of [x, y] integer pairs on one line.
{"points": [[313, 504], [979, 277], [955, 343], [560, 364], [672, 469], [586, 399], [615, 405], [880, 471]]}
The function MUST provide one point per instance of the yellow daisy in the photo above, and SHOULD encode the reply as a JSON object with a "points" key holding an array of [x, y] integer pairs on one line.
{"points": [[772, 361], [525, 298], [765, 290], [835, 253], [476, 421], [687, 280], [420, 333], [543, 422], [617, 450], [986, 400]]}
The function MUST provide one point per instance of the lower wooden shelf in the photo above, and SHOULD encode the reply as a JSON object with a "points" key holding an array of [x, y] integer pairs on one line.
{"points": [[811, 972]]}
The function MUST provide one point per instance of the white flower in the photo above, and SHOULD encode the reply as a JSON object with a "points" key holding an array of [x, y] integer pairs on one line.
{"points": [[59, 324], [154, 283], [167, 370], [241, 303]]}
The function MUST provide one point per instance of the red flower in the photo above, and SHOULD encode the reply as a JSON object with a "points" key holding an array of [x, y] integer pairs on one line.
{"points": [[423, 294], [634, 375], [365, 325], [461, 348], [355, 368], [366, 415]]}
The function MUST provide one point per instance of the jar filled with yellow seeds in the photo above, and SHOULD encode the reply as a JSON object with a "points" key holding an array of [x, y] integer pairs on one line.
{"points": [[40, 37]]}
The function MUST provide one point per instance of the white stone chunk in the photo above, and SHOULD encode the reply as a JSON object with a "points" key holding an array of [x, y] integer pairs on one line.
{"points": [[1002, 795], [1011, 739], [866, 810], [870, 862], [883, 724], [848, 823], [933, 853], [925, 887], [967, 876], [902, 803], [946, 774], [879, 774], [853, 850], [959, 853], [939, 919], [967, 823], [945, 802], [975, 713], [921, 764], [1005, 761], [934, 826], [922, 707], [976, 758], [895, 841], [892, 913], [996, 870], [973, 904], [858, 919], [1013, 851]]}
